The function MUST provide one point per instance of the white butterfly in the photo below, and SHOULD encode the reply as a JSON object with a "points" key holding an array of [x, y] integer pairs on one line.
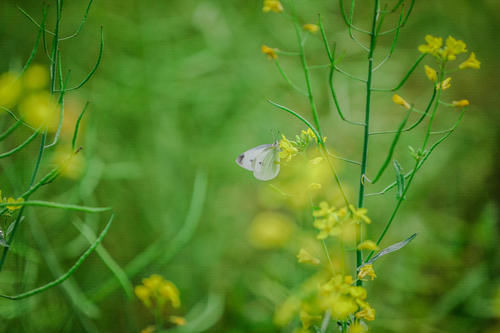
{"points": [[263, 160]]}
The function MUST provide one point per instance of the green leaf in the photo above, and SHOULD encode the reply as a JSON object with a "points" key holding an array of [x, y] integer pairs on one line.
{"points": [[390, 249], [400, 179]]}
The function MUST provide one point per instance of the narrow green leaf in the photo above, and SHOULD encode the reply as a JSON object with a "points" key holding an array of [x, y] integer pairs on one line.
{"points": [[390, 249], [400, 179]]}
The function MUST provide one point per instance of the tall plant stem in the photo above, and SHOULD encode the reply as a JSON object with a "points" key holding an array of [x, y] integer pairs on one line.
{"points": [[364, 158]]}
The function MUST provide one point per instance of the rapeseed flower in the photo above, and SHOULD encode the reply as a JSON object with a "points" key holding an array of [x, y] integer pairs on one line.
{"points": [[14, 201], [40, 110], [431, 73], [367, 270], [312, 28], [10, 89], [433, 45], [272, 6], [471, 62], [304, 257], [400, 101], [287, 149], [156, 292], [368, 245], [307, 319], [453, 48], [359, 215], [461, 103], [36, 77], [445, 84], [269, 52]]}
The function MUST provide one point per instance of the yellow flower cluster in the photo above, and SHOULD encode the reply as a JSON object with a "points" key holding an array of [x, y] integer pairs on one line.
{"points": [[36, 105], [290, 148], [158, 294], [12, 201], [272, 6], [304, 257], [452, 48], [366, 270], [343, 299], [332, 222]]}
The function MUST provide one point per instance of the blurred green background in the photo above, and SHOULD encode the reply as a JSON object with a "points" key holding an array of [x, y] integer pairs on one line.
{"points": [[180, 92]]}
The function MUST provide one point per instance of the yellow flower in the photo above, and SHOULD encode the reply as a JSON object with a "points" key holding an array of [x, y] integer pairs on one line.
{"points": [[453, 48], [368, 245], [40, 109], [400, 101], [356, 328], [342, 306], [433, 45], [149, 329], [461, 103], [270, 230], [324, 210], [367, 313], [143, 293], [287, 149], [269, 52], [14, 201], [170, 292], [367, 270], [179, 321], [312, 28], [307, 258], [471, 62], [431, 73], [309, 133], [36, 77], [359, 215], [357, 292], [445, 84], [273, 6], [72, 165], [307, 319], [10, 89]]}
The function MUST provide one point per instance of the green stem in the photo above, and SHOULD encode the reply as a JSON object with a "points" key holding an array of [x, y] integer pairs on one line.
{"points": [[436, 105], [306, 74], [373, 38]]}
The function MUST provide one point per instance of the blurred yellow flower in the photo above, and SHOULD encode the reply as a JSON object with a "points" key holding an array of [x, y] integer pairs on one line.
{"points": [[307, 319], [316, 160], [312, 28], [179, 321], [156, 292], [445, 84], [308, 133], [305, 257], [36, 77], [357, 328], [453, 48], [10, 89], [359, 215], [71, 165], [39, 110], [367, 270], [324, 210], [433, 45], [269, 52], [287, 149], [461, 103], [14, 201], [368, 245], [286, 311], [400, 101], [367, 313], [273, 6], [471, 62], [270, 230], [431, 73], [149, 329]]}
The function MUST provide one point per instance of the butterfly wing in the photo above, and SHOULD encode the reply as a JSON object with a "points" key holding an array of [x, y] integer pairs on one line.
{"points": [[248, 158], [266, 166]]}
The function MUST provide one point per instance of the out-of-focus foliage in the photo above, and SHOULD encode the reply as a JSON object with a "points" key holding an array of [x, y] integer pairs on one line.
{"points": [[182, 89]]}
